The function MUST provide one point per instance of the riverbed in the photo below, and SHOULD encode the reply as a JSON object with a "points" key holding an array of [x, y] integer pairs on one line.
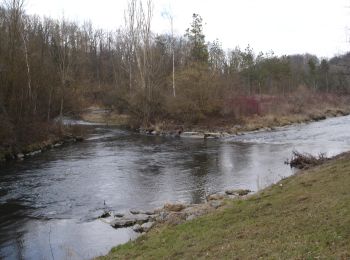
{"points": [[49, 203]]}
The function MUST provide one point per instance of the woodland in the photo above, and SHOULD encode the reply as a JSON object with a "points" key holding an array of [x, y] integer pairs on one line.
{"points": [[50, 68]]}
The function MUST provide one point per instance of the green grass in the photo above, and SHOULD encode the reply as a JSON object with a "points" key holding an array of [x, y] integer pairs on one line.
{"points": [[306, 216]]}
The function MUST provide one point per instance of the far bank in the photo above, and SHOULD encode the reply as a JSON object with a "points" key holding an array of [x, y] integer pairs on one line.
{"points": [[214, 126]]}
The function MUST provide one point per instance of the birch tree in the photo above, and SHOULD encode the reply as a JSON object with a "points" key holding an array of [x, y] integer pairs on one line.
{"points": [[168, 15], [139, 33]]}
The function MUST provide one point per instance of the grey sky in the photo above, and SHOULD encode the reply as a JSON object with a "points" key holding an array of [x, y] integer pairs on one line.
{"points": [[286, 27]]}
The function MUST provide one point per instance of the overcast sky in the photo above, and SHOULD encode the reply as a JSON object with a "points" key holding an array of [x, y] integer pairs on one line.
{"points": [[285, 26]]}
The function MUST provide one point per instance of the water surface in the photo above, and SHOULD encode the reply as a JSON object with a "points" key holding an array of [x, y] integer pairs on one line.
{"points": [[49, 203]]}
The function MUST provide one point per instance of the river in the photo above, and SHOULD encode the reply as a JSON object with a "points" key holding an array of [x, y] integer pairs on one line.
{"points": [[49, 203]]}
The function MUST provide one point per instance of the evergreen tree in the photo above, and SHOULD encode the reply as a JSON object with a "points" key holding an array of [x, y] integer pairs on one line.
{"points": [[199, 49]]}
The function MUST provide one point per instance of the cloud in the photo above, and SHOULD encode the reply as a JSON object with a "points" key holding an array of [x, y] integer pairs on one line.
{"points": [[284, 26]]}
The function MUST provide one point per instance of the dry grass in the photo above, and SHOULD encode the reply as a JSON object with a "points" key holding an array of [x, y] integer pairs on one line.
{"points": [[109, 118], [275, 120]]}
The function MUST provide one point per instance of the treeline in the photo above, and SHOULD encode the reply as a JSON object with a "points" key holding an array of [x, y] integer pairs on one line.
{"points": [[53, 67]]}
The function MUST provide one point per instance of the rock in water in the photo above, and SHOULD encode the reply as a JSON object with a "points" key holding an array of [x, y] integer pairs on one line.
{"points": [[20, 156], [105, 214], [174, 207], [147, 226], [149, 212], [120, 223], [240, 192], [137, 228], [142, 218], [131, 220], [162, 216]]}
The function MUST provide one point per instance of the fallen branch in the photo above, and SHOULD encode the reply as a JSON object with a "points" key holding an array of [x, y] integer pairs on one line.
{"points": [[305, 160]]}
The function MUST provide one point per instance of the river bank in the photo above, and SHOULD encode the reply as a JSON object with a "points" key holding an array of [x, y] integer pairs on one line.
{"points": [[221, 128], [214, 128], [211, 127], [52, 141], [171, 213], [303, 216]]}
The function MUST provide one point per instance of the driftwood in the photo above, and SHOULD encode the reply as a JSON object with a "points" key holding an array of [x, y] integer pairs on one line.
{"points": [[305, 160]]}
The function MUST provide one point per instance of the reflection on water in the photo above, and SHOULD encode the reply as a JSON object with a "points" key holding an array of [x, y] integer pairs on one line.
{"points": [[64, 239], [48, 203]]}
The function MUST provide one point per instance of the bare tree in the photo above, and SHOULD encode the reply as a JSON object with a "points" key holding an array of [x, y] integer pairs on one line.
{"points": [[168, 14], [140, 35], [63, 57], [24, 36], [129, 17]]}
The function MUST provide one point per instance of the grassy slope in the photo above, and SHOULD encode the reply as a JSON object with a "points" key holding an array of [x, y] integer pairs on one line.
{"points": [[306, 216]]}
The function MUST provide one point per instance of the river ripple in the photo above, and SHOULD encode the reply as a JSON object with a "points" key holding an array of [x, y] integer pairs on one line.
{"points": [[49, 204]]}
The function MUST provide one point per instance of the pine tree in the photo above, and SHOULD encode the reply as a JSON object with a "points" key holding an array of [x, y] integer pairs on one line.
{"points": [[199, 49]]}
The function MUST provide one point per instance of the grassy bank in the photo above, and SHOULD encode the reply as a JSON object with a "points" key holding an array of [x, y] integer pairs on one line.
{"points": [[100, 115], [266, 121], [306, 216], [270, 121], [229, 125]]}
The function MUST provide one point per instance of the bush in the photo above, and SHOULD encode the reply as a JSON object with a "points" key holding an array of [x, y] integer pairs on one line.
{"points": [[305, 160]]}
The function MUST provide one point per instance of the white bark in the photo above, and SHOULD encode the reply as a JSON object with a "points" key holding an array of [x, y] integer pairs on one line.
{"points": [[27, 63]]}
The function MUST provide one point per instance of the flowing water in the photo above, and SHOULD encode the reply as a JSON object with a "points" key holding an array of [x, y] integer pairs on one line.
{"points": [[49, 203]]}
